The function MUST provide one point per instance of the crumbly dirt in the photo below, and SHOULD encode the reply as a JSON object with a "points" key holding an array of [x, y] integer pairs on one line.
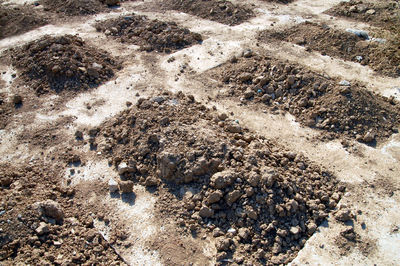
{"points": [[75, 7], [382, 57], [17, 20], [62, 63], [149, 34], [260, 202], [384, 14], [315, 100], [60, 236], [221, 11]]}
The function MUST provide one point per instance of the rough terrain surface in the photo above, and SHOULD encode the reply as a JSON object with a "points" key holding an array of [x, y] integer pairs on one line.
{"points": [[382, 57], [222, 11], [121, 146], [149, 34], [62, 63]]}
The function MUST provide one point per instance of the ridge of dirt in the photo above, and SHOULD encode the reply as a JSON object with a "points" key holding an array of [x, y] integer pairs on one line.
{"points": [[221, 11], [260, 202], [64, 63], [17, 20], [149, 34], [384, 58], [340, 109], [77, 7]]}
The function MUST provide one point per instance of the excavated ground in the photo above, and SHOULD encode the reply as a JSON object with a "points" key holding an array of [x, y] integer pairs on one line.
{"points": [[171, 133]]}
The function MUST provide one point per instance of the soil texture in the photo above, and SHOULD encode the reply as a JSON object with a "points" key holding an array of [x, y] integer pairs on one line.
{"points": [[77, 7], [149, 34]]}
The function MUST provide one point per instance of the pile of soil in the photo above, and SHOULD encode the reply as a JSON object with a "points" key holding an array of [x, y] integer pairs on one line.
{"points": [[385, 14], [43, 223], [258, 200], [221, 11], [339, 108], [383, 58], [77, 7], [149, 34], [62, 63], [18, 20]]}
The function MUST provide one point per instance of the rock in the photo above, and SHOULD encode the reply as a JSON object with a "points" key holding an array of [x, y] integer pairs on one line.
{"points": [[126, 186], [93, 72], [311, 228], [214, 197], [222, 116], [294, 230], [113, 185], [51, 209], [247, 53], [343, 215], [276, 248], [244, 233], [291, 80], [344, 83], [16, 99], [232, 197], [166, 163], [370, 12], [369, 137], [151, 181], [253, 179], [42, 229], [123, 168], [233, 128], [359, 33], [248, 94], [222, 179], [244, 77], [206, 212], [223, 244], [251, 213]]}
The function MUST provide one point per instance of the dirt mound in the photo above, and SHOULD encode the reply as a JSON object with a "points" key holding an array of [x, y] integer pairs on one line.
{"points": [[75, 7], [221, 11], [149, 34], [317, 101], [379, 13], [41, 224], [261, 202], [18, 20], [383, 58], [62, 63]]}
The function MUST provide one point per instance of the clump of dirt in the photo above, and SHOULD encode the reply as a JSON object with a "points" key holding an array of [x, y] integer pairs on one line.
{"points": [[18, 20], [6, 109], [385, 14], [221, 11], [258, 200], [77, 7], [63, 63], [382, 57], [339, 108], [41, 222], [149, 34]]}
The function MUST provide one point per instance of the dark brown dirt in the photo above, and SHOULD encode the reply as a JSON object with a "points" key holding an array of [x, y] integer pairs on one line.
{"points": [[221, 11], [383, 58], [18, 20], [75, 7], [385, 14], [6, 109], [67, 236], [315, 100], [258, 200], [149, 34], [62, 63]]}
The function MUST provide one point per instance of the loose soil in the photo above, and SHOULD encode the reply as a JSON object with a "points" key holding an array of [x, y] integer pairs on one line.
{"points": [[62, 63], [18, 20], [149, 34], [75, 7], [315, 100], [382, 57], [59, 232], [221, 11], [260, 201]]}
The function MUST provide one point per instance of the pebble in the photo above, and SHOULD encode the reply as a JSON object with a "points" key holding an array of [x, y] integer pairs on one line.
{"points": [[42, 229], [113, 185], [344, 83]]}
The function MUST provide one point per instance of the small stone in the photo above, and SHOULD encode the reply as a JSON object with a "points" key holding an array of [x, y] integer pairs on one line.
{"points": [[214, 197], [222, 244], [248, 94], [151, 181], [233, 128], [113, 185], [222, 179], [343, 215], [370, 12], [247, 53], [42, 229], [344, 83], [126, 186], [123, 168], [232, 197], [311, 227], [369, 137], [244, 233], [51, 209], [206, 212], [294, 230], [244, 77]]}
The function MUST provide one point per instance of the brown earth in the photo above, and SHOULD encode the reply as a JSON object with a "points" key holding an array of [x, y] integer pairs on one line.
{"points": [[260, 201], [41, 223], [149, 34], [221, 11], [382, 57], [17, 20], [315, 100], [76, 7], [63, 63]]}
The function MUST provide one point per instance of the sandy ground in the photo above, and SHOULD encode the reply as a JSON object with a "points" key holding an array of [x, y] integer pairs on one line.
{"points": [[370, 171]]}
